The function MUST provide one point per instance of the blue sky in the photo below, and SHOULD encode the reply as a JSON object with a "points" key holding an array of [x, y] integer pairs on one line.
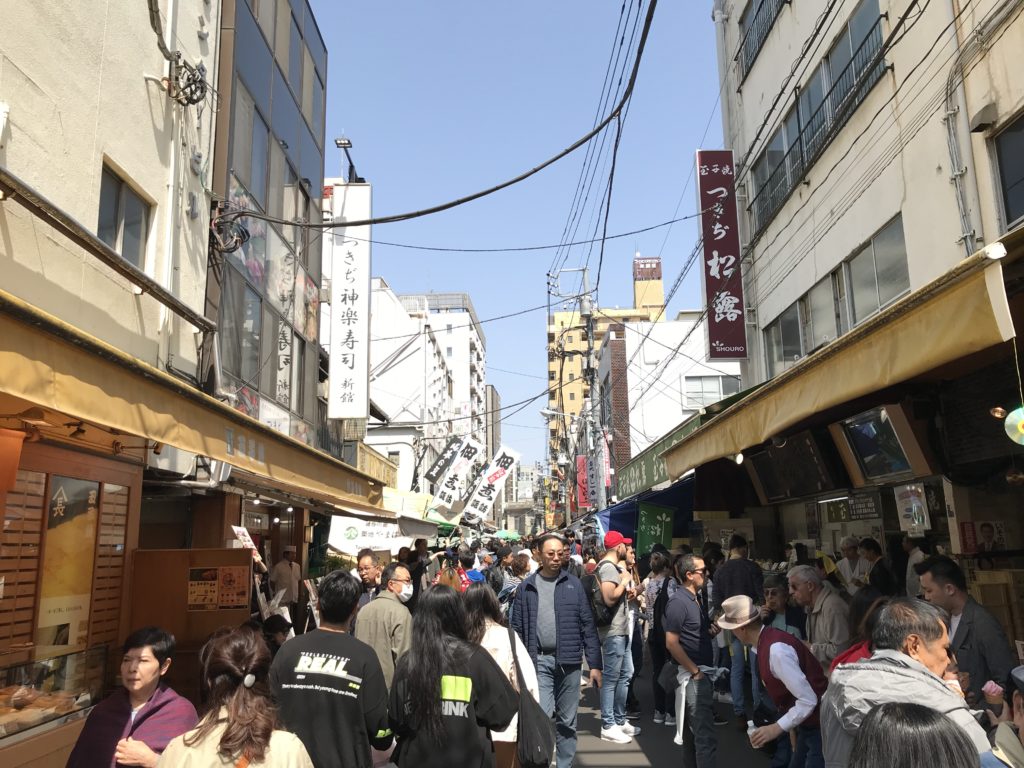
{"points": [[444, 98]]}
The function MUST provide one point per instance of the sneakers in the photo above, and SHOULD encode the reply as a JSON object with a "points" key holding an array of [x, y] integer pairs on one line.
{"points": [[633, 714], [615, 734], [659, 718], [670, 720], [719, 720], [629, 729]]}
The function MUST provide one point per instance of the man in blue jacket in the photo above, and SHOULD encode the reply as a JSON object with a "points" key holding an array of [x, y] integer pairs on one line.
{"points": [[553, 619]]}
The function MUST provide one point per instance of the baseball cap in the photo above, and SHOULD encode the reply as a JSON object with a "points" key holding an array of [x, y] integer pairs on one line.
{"points": [[614, 538], [475, 575]]}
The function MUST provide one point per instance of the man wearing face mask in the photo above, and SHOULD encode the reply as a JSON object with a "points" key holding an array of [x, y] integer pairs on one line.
{"points": [[386, 624]]}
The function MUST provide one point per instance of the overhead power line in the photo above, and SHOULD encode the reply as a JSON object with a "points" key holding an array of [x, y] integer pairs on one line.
{"points": [[521, 177]]}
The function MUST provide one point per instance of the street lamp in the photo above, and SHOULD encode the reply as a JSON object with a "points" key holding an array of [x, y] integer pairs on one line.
{"points": [[345, 144]]}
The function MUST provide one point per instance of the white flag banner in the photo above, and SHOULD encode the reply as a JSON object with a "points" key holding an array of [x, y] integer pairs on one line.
{"points": [[492, 481], [349, 255], [469, 451]]}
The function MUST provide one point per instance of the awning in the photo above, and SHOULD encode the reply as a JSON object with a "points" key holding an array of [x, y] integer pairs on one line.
{"points": [[962, 312], [321, 502], [52, 364]]}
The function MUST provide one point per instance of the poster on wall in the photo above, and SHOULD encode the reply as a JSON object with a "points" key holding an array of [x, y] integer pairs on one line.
{"points": [[912, 508], [202, 589], [69, 549], [991, 535], [654, 526]]}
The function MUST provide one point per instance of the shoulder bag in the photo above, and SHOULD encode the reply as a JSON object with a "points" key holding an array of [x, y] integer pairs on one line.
{"points": [[535, 742]]}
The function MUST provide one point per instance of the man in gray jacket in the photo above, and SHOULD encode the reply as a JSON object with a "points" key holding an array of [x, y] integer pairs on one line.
{"points": [[828, 622], [911, 644]]}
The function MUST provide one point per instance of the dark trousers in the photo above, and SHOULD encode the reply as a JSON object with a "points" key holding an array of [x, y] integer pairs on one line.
{"points": [[662, 701]]}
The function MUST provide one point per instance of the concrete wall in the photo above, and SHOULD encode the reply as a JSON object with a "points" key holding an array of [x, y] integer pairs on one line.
{"points": [[82, 85]]}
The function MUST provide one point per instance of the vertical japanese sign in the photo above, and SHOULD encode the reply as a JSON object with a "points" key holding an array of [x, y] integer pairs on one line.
{"points": [[492, 481], [449, 491], [720, 273], [582, 483], [348, 392], [69, 549], [438, 468]]}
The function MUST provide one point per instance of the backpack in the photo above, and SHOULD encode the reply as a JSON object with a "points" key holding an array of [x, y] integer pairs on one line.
{"points": [[658, 614], [603, 614]]}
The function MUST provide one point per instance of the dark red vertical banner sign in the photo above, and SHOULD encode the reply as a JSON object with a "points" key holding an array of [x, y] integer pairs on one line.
{"points": [[582, 486], [723, 283]]}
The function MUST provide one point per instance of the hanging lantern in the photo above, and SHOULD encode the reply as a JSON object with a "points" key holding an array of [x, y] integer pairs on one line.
{"points": [[10, 457]]}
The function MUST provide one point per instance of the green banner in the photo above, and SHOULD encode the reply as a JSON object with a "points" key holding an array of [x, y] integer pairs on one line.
{"points": [[653, 526]]}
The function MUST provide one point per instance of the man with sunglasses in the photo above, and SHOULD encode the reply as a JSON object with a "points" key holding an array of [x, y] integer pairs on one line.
{"points": [[688, 632]]}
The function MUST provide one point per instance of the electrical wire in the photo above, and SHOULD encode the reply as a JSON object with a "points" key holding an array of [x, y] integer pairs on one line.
{"points": [[526, 174]]}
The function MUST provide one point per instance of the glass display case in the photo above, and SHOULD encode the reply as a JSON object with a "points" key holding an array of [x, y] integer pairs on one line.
{"points": [[37, 695]]}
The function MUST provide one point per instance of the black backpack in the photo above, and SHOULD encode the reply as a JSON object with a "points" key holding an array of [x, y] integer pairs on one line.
{"points": [[603, 614], [658, 614]]}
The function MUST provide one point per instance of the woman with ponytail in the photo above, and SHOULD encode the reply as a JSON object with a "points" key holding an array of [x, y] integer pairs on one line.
{"points": [[239, 727]]}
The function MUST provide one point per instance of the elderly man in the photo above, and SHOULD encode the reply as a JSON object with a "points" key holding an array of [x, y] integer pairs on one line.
{"points": [[911, 655], [793, 680], [828, 626], [976, 636], [386, 624], [852, 567]]}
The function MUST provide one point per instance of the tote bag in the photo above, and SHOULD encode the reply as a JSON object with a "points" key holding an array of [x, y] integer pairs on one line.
{"points": [[536, 737]]}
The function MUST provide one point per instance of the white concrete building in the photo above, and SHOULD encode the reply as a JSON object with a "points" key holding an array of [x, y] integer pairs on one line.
{"points": [[454, 320], [655, 375], [893, 151], [410, 382]]}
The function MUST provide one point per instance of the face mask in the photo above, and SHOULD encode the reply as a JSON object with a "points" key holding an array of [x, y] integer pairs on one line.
{"points": [[406, 594]]}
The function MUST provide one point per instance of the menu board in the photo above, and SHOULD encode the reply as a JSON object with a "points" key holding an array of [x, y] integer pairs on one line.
{"points": [[220, 588]]}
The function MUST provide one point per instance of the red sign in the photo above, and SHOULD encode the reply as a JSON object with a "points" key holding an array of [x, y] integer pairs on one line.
{"points": [[968, 538], [723, 282], [582, 488]]}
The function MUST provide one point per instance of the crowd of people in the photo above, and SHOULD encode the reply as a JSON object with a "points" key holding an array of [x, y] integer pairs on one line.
{"points": [[425, 660]]}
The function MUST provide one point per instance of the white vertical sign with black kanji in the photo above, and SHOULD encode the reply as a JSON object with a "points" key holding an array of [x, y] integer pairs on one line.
{"points": [[450, 489], [492, 481], [348, 392]]}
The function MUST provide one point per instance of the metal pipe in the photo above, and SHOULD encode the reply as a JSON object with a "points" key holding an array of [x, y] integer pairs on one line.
{"points": [[42, 208]]}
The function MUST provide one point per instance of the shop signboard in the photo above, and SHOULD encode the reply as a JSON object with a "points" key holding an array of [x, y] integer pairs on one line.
{"points": [[348, 395], [648, 469], [583, 488], [721, 275], [912, 508], [352, 534], [449, 492]]}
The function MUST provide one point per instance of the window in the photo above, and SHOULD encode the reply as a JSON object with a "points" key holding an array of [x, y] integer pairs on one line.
{"points": [[449, 328], [295, 49], [705, 390], [249, 146], [782, 341], [878, 273], [298, 373], [572, 395], [826, 100], [448, 352], [266, 11], [282, 35], [552, 375], [241, 315], [1010, 156], [308, 79], [393, 457], [123, 219], [819, 315], [755, 24], [572, 376]]}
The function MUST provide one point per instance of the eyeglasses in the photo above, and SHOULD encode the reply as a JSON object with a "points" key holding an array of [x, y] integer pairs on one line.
{"points": [[402, 581], [701, 571]]}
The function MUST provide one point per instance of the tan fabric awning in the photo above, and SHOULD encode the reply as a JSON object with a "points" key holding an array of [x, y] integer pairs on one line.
{"points": [[50, 363], [962, 312]]}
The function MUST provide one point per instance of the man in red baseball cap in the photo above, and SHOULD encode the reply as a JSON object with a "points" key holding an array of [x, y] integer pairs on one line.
{"points": [[616, 585]]}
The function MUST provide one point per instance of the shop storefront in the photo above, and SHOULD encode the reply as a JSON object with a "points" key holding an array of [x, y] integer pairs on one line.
{"points": [[94, 540], [897, 428]]}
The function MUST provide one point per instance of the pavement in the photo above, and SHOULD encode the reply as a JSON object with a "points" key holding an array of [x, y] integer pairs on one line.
{"points": [[654, 746]]}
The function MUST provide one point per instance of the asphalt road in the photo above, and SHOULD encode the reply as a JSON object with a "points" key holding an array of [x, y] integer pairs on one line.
{"points": [[654, 746]]}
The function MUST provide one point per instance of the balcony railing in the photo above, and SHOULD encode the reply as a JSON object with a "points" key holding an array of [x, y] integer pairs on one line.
{"points": [[756, 30], [849, 88]]}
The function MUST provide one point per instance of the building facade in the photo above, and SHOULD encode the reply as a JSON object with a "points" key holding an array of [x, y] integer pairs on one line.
{"points": [[454, 319], [410, 383], [890, 154]]}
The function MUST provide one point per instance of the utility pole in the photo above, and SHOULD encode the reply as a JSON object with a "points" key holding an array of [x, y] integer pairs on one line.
{"points": [[595, 430]]}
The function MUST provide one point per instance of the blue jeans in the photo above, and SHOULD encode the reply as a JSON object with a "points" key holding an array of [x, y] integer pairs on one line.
{"points": [[736, 673], [618, 670], [560, 697], [700, 744], [808, 748]]}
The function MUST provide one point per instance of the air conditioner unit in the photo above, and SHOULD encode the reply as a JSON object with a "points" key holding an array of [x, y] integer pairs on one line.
{"points": [[322, 389], [325, 292]]}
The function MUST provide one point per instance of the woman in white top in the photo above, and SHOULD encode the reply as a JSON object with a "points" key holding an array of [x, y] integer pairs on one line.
{"points": [[239, 727], [485, 626]]}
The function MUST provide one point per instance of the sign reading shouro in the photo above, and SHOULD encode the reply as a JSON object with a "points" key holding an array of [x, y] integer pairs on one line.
{"points": [[720, 272]]}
